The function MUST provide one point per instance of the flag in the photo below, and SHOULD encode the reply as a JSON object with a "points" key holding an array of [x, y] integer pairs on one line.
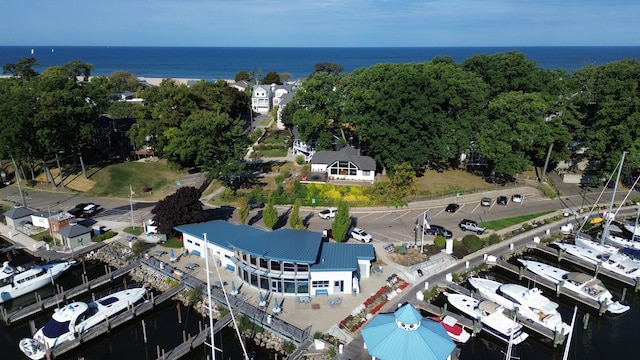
{"points": [[426, 221], [131, 192]]}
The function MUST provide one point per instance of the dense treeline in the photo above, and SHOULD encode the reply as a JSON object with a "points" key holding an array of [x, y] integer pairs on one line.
{"points": [[59, 112], [500, 111], [500, 114]]}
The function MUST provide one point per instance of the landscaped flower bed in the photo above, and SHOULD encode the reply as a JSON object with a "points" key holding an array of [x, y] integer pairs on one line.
{"points": [[372, 305]]}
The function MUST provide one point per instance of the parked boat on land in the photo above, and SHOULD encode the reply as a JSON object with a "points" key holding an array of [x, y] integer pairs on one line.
{"points": [[456, 332], [76, 318], [617, 263], [531, 303], [581, 283], [27, 278], [492, 317]]}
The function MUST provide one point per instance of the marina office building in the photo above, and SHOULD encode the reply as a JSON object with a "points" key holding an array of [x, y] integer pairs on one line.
{"points": [[285, 261]]}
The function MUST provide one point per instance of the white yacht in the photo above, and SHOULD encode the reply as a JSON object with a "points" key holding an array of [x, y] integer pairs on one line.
{"points": [[76, 318], [531, 303], [491, 315], [581, 283], [25, 279], [617, 247], [618, 263]]}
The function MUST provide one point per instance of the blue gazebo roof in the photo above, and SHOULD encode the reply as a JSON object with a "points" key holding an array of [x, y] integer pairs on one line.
{"points": [[406, 335]]}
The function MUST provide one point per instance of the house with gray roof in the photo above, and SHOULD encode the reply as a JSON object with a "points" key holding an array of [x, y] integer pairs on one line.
{"points": [[285, 261], [75, 235], [345, 164], [17, 216]]}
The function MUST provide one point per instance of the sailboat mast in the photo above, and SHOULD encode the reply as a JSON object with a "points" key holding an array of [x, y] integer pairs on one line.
{"points": [[609, 219], [567, 345]]}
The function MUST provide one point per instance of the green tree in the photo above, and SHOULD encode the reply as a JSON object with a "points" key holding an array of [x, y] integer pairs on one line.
{"points": [[328, 67], [341, 223], [295, 221], [242, 75], [76, 68], [120, 81], [22, 69], [270, 214], [272, 77], [243, 209], [403, 183]]}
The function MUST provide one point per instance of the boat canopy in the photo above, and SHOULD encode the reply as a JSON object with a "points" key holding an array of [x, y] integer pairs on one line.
{"points": [[578, 277], [489, 307], [54, 329]]}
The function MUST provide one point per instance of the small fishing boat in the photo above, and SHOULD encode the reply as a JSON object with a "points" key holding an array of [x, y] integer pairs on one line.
{"points": [[450, 324]]}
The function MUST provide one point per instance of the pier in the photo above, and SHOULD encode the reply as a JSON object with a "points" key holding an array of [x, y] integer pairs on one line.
{"points": [[191, 343], [257, 315], [63, 295], [115, 321]]}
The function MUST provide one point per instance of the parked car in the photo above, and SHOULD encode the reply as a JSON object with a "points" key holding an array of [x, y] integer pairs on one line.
{"points": [[517, 198], [328, 213], [502, 200], [360, 234], [438, 230], [451, 208], [90, 210], [470, 225], [485, 201], [255, 204]]}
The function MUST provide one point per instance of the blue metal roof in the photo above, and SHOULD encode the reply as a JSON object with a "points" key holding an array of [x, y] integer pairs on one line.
{"points": [[284, 244], [387, 340], [342, 257]]}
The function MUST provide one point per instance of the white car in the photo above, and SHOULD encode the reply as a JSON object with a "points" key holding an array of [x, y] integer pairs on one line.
{"points": [[517, 198], [328, 213], [360, 234]]}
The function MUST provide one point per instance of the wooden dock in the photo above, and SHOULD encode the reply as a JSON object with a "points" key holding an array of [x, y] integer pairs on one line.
{"points": [[115, 321], [192, 343], [63, 295]]}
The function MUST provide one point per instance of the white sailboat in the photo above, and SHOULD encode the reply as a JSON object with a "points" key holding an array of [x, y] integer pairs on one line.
{"points": [[492, 317], [531, 303], [581, 283]]}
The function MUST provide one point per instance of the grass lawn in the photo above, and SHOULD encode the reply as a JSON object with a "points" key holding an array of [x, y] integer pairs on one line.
{"points": [[500, 224], [114, 180]]}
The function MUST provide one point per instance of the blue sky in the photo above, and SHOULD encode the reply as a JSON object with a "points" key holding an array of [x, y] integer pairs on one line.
{"points": [[320, 23]]}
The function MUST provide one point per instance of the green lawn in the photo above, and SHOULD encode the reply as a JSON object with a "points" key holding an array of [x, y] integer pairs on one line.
{"points": [[500, 224], [116, 180]]}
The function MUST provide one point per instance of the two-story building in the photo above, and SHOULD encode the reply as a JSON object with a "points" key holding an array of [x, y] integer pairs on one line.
{"points": [[285, 261], [345, 164]]}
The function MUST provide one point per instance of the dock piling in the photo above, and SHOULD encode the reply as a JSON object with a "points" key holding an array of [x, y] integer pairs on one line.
{"points": [[179, 313], [144, 331], [585, 321], [624, 293]]}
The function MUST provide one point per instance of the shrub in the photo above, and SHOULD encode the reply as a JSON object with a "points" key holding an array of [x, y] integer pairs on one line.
{"points": [[300, 160], [459, 250], [440, 241], [472, 242], [317, 335], [494, 239]]}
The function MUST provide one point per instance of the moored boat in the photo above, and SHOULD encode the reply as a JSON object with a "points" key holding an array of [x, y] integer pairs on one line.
{"points": [[76, 318], [618, 263], [531, 303], [581, 283], [492, 317], [450, 324], [25, 279]]}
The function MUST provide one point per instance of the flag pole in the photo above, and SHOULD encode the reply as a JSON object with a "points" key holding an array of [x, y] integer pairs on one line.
{"points": [[131, 203], [424, 223]]}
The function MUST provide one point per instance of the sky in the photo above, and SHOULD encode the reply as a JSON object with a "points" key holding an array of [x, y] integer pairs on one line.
{"points": [[320, 23]]}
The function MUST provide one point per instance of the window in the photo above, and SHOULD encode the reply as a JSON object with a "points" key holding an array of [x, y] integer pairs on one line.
{"points": [[289, 287], [289, 267], [320, 284], [253, 260], [366, 172], [303, 268], [303, 287], [275, 265], [263, 263]]}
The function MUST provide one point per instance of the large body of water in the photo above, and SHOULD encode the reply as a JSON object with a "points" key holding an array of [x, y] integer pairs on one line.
{"points": [[223, 63]]}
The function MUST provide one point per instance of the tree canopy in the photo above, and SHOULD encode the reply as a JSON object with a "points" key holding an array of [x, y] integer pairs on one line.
{"points": [[183, 207]]}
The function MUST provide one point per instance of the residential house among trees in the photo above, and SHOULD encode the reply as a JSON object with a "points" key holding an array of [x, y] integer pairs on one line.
{"points": [[345, 164]]}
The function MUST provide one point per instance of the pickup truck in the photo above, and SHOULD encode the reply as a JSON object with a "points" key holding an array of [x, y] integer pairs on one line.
{"points": [[470, 225]]}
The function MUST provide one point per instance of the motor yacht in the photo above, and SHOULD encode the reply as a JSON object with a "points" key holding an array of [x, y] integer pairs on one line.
{"points": [[27, 278]]}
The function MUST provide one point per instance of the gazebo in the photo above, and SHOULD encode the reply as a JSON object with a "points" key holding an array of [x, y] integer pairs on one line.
{"points": [[406, 335]]}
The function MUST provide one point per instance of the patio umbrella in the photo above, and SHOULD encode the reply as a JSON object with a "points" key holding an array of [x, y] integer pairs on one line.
{"points": [[234, 291], [261, 301], [173, 256]]}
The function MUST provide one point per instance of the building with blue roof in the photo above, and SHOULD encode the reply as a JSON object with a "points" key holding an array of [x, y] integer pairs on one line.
{"points": [[285, 261]]}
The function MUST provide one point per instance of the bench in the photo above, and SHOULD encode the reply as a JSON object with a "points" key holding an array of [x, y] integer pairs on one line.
{"points": [[322, 292], [304, 299]]}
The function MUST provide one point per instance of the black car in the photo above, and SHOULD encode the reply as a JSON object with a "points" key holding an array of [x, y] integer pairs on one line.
{"points": [[502, 200], [255, 204], [438, 230], [451, 208]]}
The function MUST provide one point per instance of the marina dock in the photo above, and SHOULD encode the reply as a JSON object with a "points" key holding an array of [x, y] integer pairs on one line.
{"points": [[116, 321], [63, 295], [191, 343]]}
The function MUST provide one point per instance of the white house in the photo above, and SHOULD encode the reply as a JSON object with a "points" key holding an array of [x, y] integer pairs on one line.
{"points": [[17, 217], [261, 98], [285, 261], [346, 164]]}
